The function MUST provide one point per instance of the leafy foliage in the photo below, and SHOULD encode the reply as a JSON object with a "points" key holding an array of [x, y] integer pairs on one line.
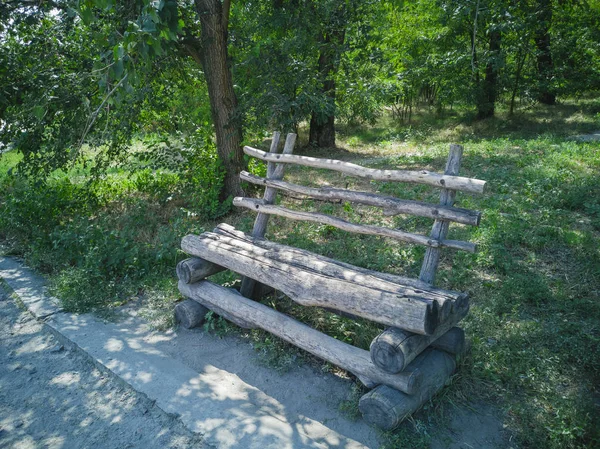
{"points": [[109, 157]]}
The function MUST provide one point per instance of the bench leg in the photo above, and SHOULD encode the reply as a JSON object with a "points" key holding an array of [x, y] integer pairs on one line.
{"points": [[386, 407]]}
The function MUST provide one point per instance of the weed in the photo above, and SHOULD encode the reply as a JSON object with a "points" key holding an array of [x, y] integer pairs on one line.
{"points": [[217, 325], [349, 406], [410, 435], [275, 353]]}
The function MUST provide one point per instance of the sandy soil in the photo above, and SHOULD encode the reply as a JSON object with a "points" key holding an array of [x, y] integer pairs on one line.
{"points": [[52, 397]]}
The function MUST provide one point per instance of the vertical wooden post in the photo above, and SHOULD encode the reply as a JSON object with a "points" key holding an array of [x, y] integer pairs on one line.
{"points": [[440, 227], [274, 171]]}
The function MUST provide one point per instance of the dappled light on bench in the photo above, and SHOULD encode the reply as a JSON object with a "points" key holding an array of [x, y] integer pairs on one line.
{"points": [[416, 355]]}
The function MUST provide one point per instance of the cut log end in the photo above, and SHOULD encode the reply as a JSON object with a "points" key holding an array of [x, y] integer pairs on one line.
{"points": [[394, 349], [386, 352], [386, 407], [183, 271], [195, 269], [190, 314], [378, 407]]}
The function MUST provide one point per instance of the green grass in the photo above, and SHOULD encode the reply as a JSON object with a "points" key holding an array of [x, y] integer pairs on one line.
{"points": [[535, 283]]}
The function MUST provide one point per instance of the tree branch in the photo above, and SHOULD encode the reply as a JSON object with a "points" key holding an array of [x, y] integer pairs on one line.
{"points": [[94, 116]]}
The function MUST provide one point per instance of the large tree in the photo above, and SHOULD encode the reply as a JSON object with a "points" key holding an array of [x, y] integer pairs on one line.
{"points": [[330, 37], [77, 64], [545, 64], [214, 57]]}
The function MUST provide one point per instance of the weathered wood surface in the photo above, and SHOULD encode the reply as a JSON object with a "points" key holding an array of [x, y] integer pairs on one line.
{"points": [[258, 206], [341, 270], [348, 357], [195, 269], [391, 205], [394, 348], [403, 308], [440, 227], [418, 177], [238, 321], [189, 313], [249, 286], [386, 407], [453, 342], [260, 223]]}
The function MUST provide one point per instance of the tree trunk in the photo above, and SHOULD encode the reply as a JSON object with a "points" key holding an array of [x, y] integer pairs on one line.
{"points": [[545, 65], [520, 63], [223, 101], [322, 124], [489, 88]]}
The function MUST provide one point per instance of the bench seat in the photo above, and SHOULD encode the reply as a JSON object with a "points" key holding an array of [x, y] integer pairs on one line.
{"points": [[314, 280]]}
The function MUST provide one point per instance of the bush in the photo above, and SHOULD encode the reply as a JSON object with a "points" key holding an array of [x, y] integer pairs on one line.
{"points": [[100, 239]]}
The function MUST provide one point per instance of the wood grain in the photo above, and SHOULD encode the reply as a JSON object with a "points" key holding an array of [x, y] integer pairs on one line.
{"points": [[391, 205], [418, 177]]}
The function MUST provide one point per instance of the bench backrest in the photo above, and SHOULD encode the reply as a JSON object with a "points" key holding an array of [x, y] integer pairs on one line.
{"points": [[442, 213]]}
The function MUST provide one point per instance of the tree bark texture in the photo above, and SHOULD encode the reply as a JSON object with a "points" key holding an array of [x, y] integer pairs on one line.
{"points": [[223, 101], [545, 64], [489, 89], [322, 125]]}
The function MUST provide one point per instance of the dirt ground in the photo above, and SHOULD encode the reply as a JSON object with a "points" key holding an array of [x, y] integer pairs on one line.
{"points": [[55, 398]]}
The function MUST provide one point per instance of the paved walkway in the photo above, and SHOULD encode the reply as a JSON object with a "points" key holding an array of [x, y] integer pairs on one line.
{"points": [[215, 387], [53, 397]]}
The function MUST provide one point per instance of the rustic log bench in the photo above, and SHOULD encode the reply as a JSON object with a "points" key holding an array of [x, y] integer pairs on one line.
{"points": [[409, 361]]}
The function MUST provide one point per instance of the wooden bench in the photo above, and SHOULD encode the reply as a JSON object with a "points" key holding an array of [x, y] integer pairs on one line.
{"points": [[408, 362]]}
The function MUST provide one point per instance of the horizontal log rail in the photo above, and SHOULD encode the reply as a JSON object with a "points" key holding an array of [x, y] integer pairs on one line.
{"points": [[463, 184], [255, 314], [336, 269], [391, 205], [258, 206], [330, 267], [406, 310]]}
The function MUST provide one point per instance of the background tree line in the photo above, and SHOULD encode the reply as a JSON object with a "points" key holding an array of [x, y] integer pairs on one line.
{"points": [[103, 72]]}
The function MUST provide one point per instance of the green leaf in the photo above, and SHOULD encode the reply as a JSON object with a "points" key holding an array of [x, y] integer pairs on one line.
{"points": [[118, 52], [148, 25], [118, 68], [87, 16], [39, 112]]}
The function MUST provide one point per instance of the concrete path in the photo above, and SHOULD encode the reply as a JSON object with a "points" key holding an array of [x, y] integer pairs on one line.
{"points": [[592, 137], [54, 397], [216, 387]]}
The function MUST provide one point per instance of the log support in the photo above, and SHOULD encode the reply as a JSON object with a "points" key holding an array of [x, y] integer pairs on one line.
{"points": [[440, 227], [394, 348], [251, 288], [190, 313], [386, 407], [237, 308], [195, 269]]}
